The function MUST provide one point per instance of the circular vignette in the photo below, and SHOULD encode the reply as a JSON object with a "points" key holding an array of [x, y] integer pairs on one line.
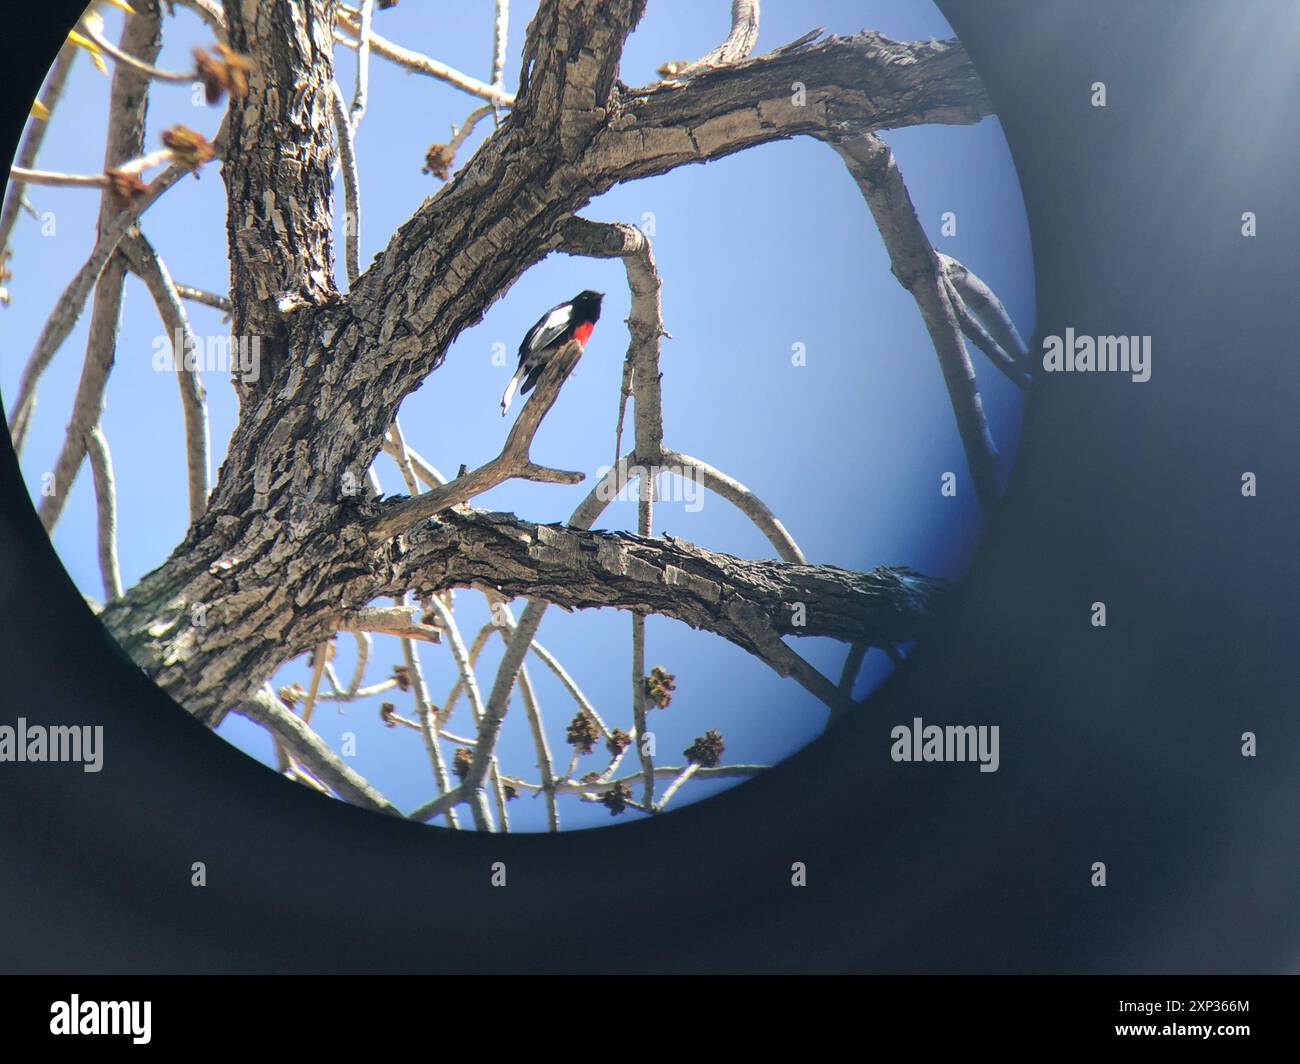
{"points": [[272, 523]]}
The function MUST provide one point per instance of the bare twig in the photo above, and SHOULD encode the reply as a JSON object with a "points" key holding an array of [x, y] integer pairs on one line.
{"points": [[738, 45], [305, 746], [210, 12], [500, 31], [852, 666], [54, 179], [126, 59], [101, 468], [351, 192], [533, 709], [741, 497], [472, 790], [390, 620], [513, 461], [418, 63], [319, 657], [153, 271], [201, 295], [426, 473], [975, 331], [70, 304], [985, 305], [363, 64], [428, 724], [584, 704], [364, 646], [30, 147], [686, 773], [645, 510], [141, 36], [919, 270]]}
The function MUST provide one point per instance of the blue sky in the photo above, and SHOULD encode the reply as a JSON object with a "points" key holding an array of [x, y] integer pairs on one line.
{"points": [[757, 252]]}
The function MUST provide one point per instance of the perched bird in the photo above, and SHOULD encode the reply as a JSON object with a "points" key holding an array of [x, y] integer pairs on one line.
{"points": [[573, 320]]}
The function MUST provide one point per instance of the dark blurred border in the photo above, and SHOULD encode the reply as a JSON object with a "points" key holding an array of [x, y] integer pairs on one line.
{"points": [[1119, 745]]}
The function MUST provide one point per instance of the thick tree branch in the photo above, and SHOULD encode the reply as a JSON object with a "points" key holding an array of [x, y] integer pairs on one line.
{"points": [[732, 597], [849, 84], [278, 172]]}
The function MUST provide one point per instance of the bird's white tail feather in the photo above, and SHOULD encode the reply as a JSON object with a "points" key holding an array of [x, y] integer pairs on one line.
{"points": [[510, 390]]}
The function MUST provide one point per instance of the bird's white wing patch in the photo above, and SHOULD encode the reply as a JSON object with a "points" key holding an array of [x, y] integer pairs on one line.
{"points": [[548, 330]]}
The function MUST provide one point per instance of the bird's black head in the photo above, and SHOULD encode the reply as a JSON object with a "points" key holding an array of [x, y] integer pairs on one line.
{"points": [[587, 305]]}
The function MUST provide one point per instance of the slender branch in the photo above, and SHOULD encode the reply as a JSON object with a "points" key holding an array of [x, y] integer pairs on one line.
{"points": [[741, 497], [125, 58], [319, 656], [975, 331], [852, 666], [645, 510], [54, 179], [200, 295], [68, 308], [686, 773], [390, 620], [467, 790], [141, 36], [662, 772], [513, 461], [738, 45], [532, 708], [34, 136], [364, 646], [101, 468], [500, 31], [305, 746], [351, 190], [986, 306], [418, 63], [363, 64], [210, 12], [645, 322], [426, 473], [439, 159], [489, 728], [428, 724], [476, 648], [153, 271], [570, 685], [919, 270]]}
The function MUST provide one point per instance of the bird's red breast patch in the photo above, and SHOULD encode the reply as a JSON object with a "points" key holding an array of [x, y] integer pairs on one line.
{"points": [[583, 332]]}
